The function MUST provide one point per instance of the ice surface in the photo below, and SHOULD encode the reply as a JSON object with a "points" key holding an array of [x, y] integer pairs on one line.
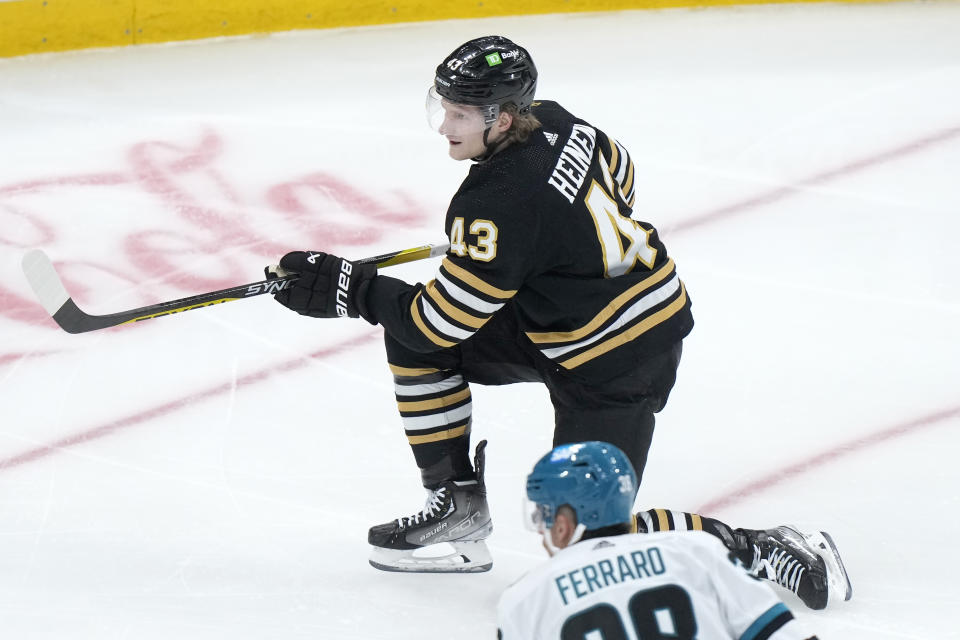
{"points": [[213, 475]]}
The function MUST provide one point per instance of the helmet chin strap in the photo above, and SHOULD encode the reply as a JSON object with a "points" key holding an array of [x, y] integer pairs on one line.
{"points": [[492, 147]]}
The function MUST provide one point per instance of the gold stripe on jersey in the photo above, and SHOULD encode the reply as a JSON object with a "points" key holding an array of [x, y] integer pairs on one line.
{"points": [[424, 329], [633, 332], [607, 312], [447, 307], [448, 434], [471, 280], [628, 181], [663, 521], [435, 403], [442, 324], [696, 521], [607, 178], [614, 156], [407, 372], [440, 315], [623, 165], [621, 169]]}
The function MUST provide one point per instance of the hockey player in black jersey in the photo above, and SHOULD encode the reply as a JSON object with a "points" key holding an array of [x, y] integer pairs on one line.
{"points": [[550, 278]]}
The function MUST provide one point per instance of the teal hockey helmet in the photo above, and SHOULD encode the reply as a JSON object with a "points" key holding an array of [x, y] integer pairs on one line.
{"points": [[594, 478]]}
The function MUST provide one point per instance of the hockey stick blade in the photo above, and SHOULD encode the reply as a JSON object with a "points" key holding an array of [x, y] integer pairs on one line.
{"points": [[49, 289]]}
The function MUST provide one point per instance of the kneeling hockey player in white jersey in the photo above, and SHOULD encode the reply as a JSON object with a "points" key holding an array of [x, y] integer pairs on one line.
{"points": [[654, 585]]}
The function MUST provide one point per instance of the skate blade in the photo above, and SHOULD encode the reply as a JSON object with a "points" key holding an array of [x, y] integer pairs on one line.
{"points": [[445, 557], [838, 582]]}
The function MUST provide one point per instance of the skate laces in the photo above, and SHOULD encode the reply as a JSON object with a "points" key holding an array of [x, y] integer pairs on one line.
{"points": [[435, 502], [781, 567]]}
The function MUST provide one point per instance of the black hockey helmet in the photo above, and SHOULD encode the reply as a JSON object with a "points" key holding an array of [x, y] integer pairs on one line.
{"points": [[488, 72]]}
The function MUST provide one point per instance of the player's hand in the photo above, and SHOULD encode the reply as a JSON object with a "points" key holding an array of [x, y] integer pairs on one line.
{"points": [[328, 286]]}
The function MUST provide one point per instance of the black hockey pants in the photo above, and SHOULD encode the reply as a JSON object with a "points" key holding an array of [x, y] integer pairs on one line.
{"points": [[433, 396]]}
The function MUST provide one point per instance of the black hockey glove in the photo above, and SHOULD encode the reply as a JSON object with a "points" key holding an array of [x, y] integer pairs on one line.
{"points": [[328, 286]]}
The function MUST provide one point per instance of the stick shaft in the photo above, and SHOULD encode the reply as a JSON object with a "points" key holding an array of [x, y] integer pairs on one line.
{"points": [[48, 287]]}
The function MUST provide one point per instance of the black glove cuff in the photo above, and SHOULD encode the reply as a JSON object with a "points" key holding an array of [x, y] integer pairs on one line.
{"points": [[361, 300]]}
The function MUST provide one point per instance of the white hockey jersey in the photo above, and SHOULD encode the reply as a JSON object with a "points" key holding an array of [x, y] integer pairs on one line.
{"points": [[672, 584]]}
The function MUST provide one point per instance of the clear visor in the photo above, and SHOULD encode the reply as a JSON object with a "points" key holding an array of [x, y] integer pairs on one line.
{"points": [[453, 119], [535, 516]]}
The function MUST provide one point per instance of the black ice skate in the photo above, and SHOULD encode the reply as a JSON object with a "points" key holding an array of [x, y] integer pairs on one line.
{"points": [[807, 564], [446, 537]]}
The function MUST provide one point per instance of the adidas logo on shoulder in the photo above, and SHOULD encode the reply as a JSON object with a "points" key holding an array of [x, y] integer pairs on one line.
{"points": [[551, 138]]}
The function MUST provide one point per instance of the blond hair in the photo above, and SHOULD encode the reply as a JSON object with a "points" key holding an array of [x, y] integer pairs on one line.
{"points": [[523, 124]]}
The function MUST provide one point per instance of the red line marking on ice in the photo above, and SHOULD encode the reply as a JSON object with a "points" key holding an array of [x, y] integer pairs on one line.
{"points": [[132, 420], [830, 455], [92, 179], [788, 190]]}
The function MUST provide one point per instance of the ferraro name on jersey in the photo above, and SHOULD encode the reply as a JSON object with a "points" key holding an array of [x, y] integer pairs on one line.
{"points": [[661, 585], [548, 226]]}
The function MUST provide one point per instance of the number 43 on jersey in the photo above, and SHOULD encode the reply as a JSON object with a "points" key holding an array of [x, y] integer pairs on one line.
{"points": [[486, 231], [622, 241]]}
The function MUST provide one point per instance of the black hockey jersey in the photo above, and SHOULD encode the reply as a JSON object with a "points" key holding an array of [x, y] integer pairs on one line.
{"points": [[547, 226]]}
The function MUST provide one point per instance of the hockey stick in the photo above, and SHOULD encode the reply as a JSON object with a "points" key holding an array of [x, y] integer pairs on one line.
{"points": [[48, 287]]}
